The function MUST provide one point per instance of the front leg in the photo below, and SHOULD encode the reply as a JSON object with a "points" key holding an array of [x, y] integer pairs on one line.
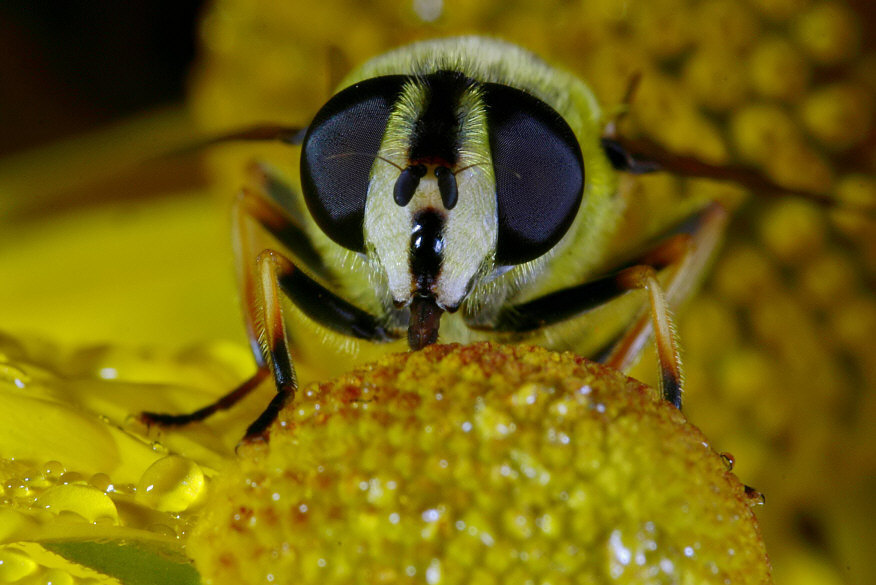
{"points": [[265, 320], [277, 273], [573, 302], [683, 252], [262, 284]]}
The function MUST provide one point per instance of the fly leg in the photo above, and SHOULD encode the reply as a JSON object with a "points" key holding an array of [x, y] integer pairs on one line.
{"points": [[274, 347], [266, 328], [262, 282], [681, 255], [686, 254], [277, 274], [643, 156], [575, 301]]}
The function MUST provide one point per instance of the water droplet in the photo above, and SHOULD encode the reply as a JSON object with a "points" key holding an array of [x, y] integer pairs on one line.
{"points": [[158, 447], [124, 488], [56, 577], [52, 470], [84, 500], [102, 482], [16, 488], [14, 375], [70, 477], [35, 480], [755, 498], [171, 484], [729, 460]]}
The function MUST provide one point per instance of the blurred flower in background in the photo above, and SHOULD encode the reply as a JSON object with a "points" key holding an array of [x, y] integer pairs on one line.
{"points": [[779, 347]]}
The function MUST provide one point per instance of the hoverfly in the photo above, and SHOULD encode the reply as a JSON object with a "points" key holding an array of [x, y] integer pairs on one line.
{"points": [[459, 188]]}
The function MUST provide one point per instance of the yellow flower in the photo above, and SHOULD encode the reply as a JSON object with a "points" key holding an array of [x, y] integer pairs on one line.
{"points": [[485, 464], [158, 273], [456, 462]]}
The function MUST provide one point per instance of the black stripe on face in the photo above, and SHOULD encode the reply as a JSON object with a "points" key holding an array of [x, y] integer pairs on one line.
{"points": [[427, 249], [436, 134]]}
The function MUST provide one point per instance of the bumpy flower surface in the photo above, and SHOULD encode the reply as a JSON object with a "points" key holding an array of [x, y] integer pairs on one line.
{"points": [[480, 464]]}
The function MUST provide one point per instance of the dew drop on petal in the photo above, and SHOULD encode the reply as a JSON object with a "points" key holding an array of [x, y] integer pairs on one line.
{"points": [[171, 484], [56, 577], [84, 500]]}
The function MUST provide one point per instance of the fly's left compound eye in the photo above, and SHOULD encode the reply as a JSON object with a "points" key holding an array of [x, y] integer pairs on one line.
{"points": [[539, 173], [338, 152]]}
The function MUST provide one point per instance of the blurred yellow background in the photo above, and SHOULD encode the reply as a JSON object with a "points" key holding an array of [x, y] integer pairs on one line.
{"points": [[780, 352]]}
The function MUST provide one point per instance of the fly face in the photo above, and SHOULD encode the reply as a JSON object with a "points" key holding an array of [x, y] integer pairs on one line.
{"points": [[442, 180]]}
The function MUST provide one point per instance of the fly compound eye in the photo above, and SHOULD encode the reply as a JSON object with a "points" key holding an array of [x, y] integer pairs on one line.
{"points": [[539, 173], [339, 150]]}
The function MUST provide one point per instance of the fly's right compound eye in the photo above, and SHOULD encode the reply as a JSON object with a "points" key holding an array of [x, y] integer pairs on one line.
{"points": [[338, 153], [539, 173]]}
